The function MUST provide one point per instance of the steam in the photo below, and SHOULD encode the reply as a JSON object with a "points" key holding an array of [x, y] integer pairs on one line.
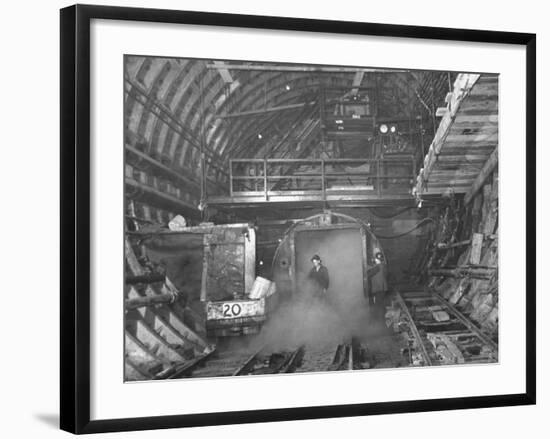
{"points": [[342, 314], [315, 322]]}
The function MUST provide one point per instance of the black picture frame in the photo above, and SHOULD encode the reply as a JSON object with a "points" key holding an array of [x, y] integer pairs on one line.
{"points": [[75, 217]]}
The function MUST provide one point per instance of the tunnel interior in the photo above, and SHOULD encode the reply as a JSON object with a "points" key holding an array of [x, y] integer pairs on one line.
{"points": [[238, 172]]}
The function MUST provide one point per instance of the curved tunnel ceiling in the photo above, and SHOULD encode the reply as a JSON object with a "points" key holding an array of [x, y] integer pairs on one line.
{"points": [[172, 105]]}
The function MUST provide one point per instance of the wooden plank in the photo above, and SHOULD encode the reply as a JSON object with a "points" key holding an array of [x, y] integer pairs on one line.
{"points": [[481, 149], [443, 246], [365, 265], [477, 243], [423, 294], [492, 207], [440, 190], [487, 169], [262, 111], [179, 176], [414, 329], [302, 69], [487, 187], [249, 260], [447, 171], [290, 363], [357, 80], [150, 337], [177, 204], [205, 257], [467, 322], [483, 106], [144, 301], [489, 89], [131, 259], [133, 369], [139, 352], [475, 272], [463, 84], [224, 73], [463, 158], [480, 118], [462, 142], [187, 368], [443, 182], [243, 368], [168, 321], [472, 130]]}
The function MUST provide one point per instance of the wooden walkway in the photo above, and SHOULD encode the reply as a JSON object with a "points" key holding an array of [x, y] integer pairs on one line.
{"points": [[465, 146]]}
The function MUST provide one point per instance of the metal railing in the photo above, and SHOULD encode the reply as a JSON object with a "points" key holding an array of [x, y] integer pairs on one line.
{"points": [[276, 177]]}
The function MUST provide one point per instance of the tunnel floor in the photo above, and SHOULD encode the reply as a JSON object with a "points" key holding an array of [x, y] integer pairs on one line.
{"points": [[413, 329]]}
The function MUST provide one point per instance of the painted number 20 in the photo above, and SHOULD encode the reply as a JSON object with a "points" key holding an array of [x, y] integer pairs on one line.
{"points": [[231, 310]]}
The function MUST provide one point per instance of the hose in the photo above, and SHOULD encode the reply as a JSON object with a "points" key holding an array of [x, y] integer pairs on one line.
{"points": [[407, 232], [391, 215]]}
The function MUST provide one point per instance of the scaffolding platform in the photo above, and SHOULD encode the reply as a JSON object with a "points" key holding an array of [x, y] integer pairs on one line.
{"points": [[335, 182]]}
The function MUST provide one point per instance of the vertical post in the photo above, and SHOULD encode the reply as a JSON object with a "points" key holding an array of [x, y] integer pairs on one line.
{"points": [[249, 259], [323, 181], [292, 265], [205, 258], [410, 98], [378, 181], [231, 178], [422, 135], [433, 102], [265, 179], [202, 151], [366, 290], [322, 117]]}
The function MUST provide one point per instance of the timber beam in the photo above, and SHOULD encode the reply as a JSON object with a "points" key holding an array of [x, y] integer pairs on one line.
{"points": [[299, 69], [463, 84], [484, 273], [485, 172], [261, 111]]}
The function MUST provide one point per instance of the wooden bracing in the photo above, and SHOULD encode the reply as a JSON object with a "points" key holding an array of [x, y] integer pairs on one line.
{"points": [[465, 144]]}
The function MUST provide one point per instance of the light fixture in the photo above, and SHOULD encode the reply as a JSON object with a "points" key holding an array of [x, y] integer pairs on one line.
{"points": [[383, 128], [393, 129], [259, 135], [287, 87]]}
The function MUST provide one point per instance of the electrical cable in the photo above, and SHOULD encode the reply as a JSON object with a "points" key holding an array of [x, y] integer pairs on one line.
{"points": [[407, 232], [392, 215]]}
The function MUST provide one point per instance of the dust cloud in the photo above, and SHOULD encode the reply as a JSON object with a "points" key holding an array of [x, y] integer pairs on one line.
{"points": [[313, 321], [335, 317]]}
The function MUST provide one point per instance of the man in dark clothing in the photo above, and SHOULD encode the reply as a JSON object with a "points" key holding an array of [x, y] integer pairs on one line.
{"points": [[318, 276], [379, 286]]}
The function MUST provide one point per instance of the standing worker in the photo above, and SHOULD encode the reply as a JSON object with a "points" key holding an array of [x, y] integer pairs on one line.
{"points": [[318, 276], [379, 284]]}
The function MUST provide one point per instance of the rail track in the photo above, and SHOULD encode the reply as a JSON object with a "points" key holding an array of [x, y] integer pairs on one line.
{"points": [[236, 362], [427, 331], [263, 361], [439, 334]]}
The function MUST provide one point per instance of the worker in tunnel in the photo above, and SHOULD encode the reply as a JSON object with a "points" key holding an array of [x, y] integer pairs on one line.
{"points": [[379, 285], [319, 278]]}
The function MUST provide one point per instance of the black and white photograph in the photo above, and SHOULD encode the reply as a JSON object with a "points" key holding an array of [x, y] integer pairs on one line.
{"points": [[286, 218], [275, 220]]}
